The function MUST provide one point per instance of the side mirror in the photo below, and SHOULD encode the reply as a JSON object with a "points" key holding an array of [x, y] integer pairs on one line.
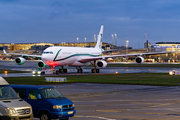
{"points": [[38, 97]]}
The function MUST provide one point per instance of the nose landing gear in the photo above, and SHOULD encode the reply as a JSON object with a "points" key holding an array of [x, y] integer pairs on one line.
{"points": [[79, 69]]}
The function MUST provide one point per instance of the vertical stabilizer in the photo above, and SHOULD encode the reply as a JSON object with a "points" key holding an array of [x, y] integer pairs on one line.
{"points": [[4, 51], [100, 37]]}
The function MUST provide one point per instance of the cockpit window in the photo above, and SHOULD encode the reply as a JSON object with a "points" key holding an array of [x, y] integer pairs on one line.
{"points": [[50, 52]]}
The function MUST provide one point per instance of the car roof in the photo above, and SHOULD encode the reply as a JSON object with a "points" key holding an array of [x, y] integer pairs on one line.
{"points": [[3, 81], [30, 86]]}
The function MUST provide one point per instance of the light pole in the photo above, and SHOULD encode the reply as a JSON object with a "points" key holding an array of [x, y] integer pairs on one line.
{"points": [[115, 39], [41, 47], [112, 40], [176, 52], [94, 37], [97, 39], [127, 42], [85, 42], [77, 41]]}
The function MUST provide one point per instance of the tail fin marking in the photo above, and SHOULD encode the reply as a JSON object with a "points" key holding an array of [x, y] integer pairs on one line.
{"points": [[100, 37]]}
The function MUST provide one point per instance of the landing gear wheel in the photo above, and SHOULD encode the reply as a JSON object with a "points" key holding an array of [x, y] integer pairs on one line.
{"points": [[65, 70], [79, 70], [45, 116], [62, 70], [57, 71], [92, 71], [95, 71], [42, 73]]}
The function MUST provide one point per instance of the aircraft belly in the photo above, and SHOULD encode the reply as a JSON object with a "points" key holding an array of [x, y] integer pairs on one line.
{"points": [[65, 62], [79, 64]]}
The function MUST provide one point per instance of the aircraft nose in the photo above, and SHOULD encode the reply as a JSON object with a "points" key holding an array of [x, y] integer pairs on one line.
{"points": [[46, 58], [49, 60]]}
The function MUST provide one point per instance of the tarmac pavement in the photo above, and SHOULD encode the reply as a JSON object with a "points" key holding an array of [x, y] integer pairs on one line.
{"points": [[122, 102], [117, 102]]}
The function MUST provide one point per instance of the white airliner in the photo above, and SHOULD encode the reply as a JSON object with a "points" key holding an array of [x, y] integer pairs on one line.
{"points": [[77, 56]]}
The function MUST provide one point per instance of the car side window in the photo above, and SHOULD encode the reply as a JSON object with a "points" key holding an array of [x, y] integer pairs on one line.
{"points": [[21, 93], [33, 94]]}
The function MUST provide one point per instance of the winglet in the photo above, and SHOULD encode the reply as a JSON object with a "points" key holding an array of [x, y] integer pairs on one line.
{"points": [[100, 37], [4, 51]]}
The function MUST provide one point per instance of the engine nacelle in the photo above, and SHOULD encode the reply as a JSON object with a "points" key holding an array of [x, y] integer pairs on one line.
{"points": [[20, 60], [139, 60], [101, 64], [41, 64]]}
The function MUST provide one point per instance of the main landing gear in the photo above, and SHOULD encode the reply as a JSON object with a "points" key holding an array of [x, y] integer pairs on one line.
{"points": [[62, 70], [95, 70], [79, 69]]}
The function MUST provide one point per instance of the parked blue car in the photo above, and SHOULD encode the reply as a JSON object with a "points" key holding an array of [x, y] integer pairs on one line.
{"points": [[47, 103]]}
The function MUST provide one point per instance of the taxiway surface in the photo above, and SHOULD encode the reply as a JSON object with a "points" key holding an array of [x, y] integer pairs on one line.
{"points": [[116, 102], [122, 102], [32, 65]]}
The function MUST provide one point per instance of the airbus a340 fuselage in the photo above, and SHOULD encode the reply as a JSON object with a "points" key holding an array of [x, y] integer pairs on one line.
{"points": [[68, 56]]}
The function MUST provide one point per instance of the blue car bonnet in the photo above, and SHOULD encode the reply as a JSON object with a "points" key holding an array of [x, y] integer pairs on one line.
{"points": [[59, 101]]}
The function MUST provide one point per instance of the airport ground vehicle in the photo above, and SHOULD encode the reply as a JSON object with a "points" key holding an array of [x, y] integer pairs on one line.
{"points": [[47, 103], [44, 71], [11, 106]]}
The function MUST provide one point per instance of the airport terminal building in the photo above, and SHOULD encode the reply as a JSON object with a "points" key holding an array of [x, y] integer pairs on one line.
{"points": [[42, 46], [37, 48]]}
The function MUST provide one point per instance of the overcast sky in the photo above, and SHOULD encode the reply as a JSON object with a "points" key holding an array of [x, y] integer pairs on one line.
{"points": [[56, 21]]}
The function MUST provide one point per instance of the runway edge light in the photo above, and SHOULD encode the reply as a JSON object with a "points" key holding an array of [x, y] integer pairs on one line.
{"points": [[5, 72], [171, 72]]}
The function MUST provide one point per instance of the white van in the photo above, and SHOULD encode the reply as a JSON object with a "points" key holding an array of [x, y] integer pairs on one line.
{"points": [[11, 106]]}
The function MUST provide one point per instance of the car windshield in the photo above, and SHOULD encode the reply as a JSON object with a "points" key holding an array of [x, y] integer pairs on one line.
{"points": [[50, 93], [7, 93]]}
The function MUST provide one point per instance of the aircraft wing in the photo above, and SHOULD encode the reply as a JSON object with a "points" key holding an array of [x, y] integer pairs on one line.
{"points": [[22, 54], [121, 55]]}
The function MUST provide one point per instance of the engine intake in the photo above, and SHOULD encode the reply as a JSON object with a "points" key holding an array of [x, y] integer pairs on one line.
{"points": [[41, 64], [20, 60], [139, 60], [101, 64]]}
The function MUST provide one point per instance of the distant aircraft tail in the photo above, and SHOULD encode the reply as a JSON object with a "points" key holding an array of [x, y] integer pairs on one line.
{"points": [[4, 51], [100, 37]]}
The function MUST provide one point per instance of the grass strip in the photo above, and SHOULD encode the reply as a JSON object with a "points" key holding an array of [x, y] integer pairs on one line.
{"points": [[11, 71], [155, 79]]}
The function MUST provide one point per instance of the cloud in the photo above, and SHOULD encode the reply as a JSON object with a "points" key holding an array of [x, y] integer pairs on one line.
{"points": [[8, 1], [56, 20]]}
